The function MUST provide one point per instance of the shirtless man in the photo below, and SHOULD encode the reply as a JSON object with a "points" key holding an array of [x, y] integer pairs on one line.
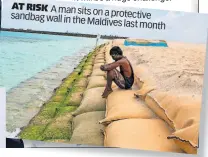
{"points": [[123, 79]]}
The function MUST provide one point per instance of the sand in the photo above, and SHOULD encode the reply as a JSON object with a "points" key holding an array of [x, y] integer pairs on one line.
{"points": [[177, 68]]}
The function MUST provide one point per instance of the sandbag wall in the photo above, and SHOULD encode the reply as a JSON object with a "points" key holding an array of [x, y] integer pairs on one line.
{"points": [[180, 112], [54, 120], [131, 122], [85, 124]]}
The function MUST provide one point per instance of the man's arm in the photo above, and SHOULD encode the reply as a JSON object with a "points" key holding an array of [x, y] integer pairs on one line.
{"points": [[111, 66]]}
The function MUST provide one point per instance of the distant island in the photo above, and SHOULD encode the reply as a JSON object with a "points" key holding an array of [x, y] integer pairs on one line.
{"points": [[64, 33]]}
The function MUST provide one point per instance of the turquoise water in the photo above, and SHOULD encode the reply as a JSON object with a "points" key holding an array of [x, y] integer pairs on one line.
{"points": [[25, 54], [159, 44]]}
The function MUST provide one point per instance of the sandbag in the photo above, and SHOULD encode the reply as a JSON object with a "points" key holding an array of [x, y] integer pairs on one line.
{"points": [[98, 72], [121, 104], [172, 108], [97, 61], [145, 89], [142, 76], [60, 128], [87, 130], [86, 73], [74, 99], [81, 82], [109, 59], [96, 81], [97, 66], [100, 55], [92, 101], [187, 138], [152, 100], [144, 134], [88, 66], [190, 108], [46, 114]]}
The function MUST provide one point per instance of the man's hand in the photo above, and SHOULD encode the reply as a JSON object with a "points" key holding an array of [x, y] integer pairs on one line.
{"points": [[102, 67]]}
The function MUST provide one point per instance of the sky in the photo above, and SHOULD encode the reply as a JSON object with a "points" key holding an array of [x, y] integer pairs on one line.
{"points": [[180, 26]]}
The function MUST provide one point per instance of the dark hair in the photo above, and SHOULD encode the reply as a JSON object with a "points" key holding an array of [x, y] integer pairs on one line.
{"points": [[116, 50]]}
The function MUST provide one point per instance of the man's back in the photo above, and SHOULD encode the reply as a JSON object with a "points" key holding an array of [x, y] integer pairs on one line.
{"points": [[125, 67]]}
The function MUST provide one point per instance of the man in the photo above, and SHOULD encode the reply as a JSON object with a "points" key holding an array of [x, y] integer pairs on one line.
{"points": [[123, 79]]}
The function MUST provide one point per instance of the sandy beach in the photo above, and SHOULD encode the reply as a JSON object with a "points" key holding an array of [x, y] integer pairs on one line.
{"points": [[177, 68]]}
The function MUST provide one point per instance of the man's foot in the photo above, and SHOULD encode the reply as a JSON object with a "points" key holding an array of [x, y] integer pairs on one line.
{"points": [[106, 93]]}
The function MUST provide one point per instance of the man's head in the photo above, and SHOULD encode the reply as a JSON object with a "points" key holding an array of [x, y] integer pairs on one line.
{"points": [[116, 53]]}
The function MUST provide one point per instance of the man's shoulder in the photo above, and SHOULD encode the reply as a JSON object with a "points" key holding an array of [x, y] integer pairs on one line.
{"points": [[123, 60]]}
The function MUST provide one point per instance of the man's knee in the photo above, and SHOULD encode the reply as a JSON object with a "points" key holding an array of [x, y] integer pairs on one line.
{"points": [[111, 73]]}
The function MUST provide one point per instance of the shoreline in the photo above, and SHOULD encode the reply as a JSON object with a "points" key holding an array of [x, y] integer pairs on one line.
{"points": [[29, 95], [52, 120]]}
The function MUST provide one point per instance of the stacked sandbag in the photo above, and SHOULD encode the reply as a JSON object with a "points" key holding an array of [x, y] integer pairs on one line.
{"points": [[92, 97], [87, 130], [144, 81], [121, 104], [182, 113], [86, 127], [60, 128], [145, 134], [92, 101], [187, 138], [129, 123], [107, 56], [96, 81]]}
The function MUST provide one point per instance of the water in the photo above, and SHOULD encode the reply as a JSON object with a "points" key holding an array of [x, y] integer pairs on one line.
{"points": [[158, 44], [25, 54], [31, 67]]}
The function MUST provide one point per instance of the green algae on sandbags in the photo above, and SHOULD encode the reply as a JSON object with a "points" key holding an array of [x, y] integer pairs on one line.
{"points": [[82, 82], [59, 128], [46, 114], [68, 81], [87, 67], [75, 96], [58, 98], [33, 132], [86, 73], [73, 99], [65, 109], [53, 120], [61, 91]]}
